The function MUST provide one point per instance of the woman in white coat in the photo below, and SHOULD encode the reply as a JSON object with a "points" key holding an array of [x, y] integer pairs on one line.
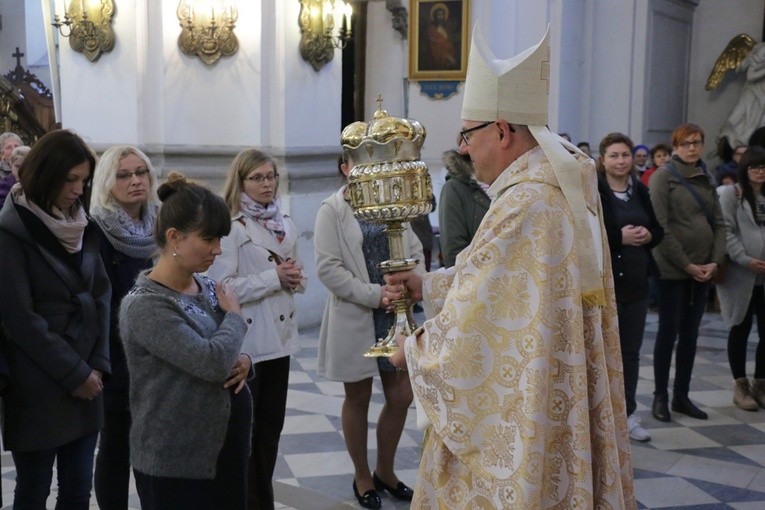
{"points": [[347, 253], [261, 265]]}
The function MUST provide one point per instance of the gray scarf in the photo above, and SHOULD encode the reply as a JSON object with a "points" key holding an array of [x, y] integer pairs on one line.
{"points": [[134, 239]]}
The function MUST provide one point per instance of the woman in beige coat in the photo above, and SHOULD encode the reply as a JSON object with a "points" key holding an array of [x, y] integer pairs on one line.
{"points": [[347, 253], [260, 264]]}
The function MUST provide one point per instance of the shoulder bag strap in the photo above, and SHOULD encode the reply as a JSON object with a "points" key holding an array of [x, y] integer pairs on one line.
{"points": [[687, 185]]}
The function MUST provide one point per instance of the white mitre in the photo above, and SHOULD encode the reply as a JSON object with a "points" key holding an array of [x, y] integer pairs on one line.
{"points": [[516, 90]]}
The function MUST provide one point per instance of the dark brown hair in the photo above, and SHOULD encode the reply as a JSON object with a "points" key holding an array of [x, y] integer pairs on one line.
{"points": [[46, 168], [660, 147], [609, 140], [189, 207], [754, 156]]}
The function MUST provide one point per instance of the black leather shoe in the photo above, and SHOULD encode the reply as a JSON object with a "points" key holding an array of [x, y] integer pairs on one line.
{"points": [[370, 499], [660, 410], [683, 405], [401, 491]]}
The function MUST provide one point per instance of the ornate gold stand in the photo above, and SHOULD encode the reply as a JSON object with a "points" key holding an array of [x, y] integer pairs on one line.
{"points": [[404, 323]]}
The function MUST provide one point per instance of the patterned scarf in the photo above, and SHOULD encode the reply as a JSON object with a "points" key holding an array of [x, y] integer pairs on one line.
{"points": [[68, 227], [134, 239], [270, 216]]}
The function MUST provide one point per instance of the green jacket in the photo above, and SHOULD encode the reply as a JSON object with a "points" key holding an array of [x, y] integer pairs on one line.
{"points": [[688, 236], [463, 204]]}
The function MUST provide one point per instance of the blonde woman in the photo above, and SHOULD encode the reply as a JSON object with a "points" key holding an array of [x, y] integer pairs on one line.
{"points": [[260, 263], [124, 204]]}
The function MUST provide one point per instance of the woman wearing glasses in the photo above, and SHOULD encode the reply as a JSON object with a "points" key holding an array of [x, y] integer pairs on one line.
{"points": [[685, 201], [741, 293], [261, 265], [123, 204]]}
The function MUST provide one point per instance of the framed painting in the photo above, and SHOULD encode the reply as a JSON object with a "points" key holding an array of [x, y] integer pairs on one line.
{"points": [[438, 39]]}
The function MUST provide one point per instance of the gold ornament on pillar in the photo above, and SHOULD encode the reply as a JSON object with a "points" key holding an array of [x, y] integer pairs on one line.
{"points": [[319, 38], [88, 25], [208, 29], [389, 185]]}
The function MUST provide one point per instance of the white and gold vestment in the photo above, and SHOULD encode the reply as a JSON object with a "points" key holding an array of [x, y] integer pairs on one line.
{"points": [[518, 372]]}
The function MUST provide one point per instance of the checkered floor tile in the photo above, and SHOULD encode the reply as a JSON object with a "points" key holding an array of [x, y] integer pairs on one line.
{"points": [[713, 464]]}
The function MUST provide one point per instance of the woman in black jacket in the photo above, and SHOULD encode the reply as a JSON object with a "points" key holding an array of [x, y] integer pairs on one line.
{"points": [[54, 305], [632, 231], [124, 205]]}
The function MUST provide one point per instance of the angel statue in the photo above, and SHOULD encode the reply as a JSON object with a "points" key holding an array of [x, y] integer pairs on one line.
{"points": [[742, 54]]}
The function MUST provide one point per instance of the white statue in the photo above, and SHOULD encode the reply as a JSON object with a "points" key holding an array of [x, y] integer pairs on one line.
{"points": [[743, 54]]}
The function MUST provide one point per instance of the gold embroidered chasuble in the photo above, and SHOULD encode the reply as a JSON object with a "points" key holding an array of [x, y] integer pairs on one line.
{"points": [[521, 382]]}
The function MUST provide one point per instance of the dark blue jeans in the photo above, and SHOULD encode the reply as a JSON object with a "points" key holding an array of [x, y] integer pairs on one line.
{"points": [[34, 472], [681, 307]]}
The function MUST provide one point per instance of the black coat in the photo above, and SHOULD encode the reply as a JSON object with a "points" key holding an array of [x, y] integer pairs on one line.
{"points": [[622, 270], [122, 271], [56, 334]]}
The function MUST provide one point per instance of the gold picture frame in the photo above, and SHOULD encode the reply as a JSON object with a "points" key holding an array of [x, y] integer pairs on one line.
{"points": [[438, 39]]}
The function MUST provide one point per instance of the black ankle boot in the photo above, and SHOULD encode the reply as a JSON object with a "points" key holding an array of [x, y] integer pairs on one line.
{"points": [[682, 404], [660, 409]]}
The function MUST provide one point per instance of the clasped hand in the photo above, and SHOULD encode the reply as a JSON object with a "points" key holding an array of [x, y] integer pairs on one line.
{"points": [[758, 266], [635, 235], [701, 272], [290, 274], [91, 388]]}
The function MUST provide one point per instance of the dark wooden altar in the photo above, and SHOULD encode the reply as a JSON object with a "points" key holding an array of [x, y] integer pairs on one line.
{"points": [[26, 104]]}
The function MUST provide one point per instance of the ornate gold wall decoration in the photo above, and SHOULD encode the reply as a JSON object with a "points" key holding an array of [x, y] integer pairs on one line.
{"points": [[317, 20], [88, 25], [207, 29]]}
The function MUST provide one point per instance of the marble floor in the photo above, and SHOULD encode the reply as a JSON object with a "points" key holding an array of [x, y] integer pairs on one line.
{"points": [[689, 464]]}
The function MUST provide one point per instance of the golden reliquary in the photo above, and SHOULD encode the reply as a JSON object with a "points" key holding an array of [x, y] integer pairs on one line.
{"points": [[390, 185]]}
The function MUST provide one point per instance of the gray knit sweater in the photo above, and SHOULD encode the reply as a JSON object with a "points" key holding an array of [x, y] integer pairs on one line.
{"points": [[179, 349]]}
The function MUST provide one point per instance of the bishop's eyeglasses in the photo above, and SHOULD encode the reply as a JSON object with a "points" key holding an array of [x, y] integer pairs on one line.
{"points": [[466, 135]]}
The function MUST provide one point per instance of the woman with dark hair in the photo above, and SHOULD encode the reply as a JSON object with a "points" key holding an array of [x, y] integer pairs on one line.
{"points": [[191, 409], [632, 231], [660, 154], [54, 307], [685, 201], [261, 265], [124, 204], [741, 292]]}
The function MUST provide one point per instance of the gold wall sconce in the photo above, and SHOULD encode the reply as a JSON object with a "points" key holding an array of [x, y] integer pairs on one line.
{"points": [[88, 25], [319, 39], [207, 29]]}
